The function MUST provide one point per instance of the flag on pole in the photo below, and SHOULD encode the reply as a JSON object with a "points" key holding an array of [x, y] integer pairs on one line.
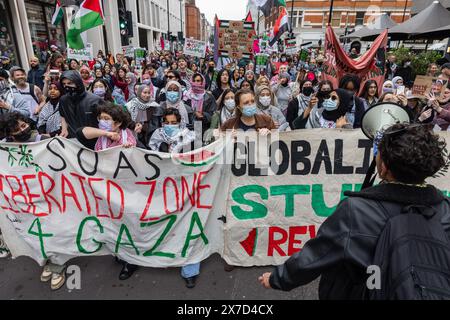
{"points": [[216, 39], [281, 26], [58, 15], [266, 5], [249, 17], [89, 16]]}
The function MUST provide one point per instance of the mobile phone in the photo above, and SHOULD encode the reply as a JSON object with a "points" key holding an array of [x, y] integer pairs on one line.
{"points": [[54, 72], [401, 90]]}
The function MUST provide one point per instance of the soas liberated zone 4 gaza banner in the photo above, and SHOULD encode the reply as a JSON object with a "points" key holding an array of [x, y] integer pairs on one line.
{"points": [[255, 201], [59, 200]]}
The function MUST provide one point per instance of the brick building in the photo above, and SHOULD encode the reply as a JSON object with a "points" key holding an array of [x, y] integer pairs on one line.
{"points": [[193, 20], [310, 17]]}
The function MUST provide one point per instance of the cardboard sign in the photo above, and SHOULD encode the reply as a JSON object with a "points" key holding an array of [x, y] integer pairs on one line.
{"points": [[423, 85], [194, 48], [236, 39], [85, 54]]}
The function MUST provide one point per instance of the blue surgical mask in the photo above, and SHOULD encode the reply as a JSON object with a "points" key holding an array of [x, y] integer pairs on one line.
{"points": [[250, 110], [173, 96], [230, 104], [329, 105], [100, 92], [105, 125], [171, 129], [164, 64], [147, 82]]}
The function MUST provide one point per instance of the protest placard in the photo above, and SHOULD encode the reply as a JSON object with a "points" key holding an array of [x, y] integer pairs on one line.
{"points": [[128, 51], [236, 39], [139, 55], [423, 85], [85, 54], [194, 48]]}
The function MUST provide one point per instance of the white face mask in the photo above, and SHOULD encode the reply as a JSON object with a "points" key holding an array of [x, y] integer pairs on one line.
{"points": [[230, 104], [265, 101]]}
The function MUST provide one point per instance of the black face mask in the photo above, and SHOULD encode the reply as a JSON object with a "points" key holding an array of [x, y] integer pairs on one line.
{"points": [[285, 84], [24, 136], [307, 91], [71, 91]]}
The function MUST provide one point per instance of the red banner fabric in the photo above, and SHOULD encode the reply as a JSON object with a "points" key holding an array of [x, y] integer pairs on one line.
{"points": [[370, 66]]}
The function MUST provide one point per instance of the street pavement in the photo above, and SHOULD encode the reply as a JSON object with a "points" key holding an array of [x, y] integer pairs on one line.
{"points": [[19, 279]]}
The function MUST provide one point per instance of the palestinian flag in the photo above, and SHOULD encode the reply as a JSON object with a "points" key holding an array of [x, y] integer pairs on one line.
{"points": [[281, 26], [89, 16], [266, 5], [249, 17], [58, 15]]}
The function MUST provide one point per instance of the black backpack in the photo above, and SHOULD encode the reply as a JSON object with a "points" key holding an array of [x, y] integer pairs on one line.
{"points": [[413, 253]]}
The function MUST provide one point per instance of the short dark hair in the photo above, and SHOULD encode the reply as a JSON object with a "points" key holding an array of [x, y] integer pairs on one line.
{"points": [[350, 78], [116, 112], [11, 122], [412, 152], [172, 111]]}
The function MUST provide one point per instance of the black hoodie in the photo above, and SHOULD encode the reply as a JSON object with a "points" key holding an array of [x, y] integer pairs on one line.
{"points": [[80, 110]]}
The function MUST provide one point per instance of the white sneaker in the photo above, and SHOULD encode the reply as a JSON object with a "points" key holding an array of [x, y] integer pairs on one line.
{"points": [[46, 274], [4, 251], [58, 280]]}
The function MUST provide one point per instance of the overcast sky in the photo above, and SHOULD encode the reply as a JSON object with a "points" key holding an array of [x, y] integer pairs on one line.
{"points": [[225, 9]]}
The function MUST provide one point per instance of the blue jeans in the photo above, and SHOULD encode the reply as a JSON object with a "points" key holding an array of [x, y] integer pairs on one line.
{"points": [[190, 270]]}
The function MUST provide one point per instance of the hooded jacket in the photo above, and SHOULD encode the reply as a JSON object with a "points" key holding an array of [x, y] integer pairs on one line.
{"points": [[80, 110], [345, 243]]}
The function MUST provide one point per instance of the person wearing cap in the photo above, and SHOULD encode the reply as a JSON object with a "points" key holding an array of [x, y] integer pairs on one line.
{"points": [[36, 73], [415, 104], [6, 63], [10, 98], [283, 92], [31, 93]]}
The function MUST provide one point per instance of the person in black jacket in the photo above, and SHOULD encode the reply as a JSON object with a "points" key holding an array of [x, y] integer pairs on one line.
{"points": [[406, 72], [36, 73], [78, 108], [345, 243], [352, 83]]}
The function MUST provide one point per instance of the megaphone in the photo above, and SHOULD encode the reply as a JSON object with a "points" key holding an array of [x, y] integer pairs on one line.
{"points": [[382, 116], [374, 122]]}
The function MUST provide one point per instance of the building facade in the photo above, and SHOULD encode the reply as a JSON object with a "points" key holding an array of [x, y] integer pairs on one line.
{"points": [[310, 17], [26, 29]]}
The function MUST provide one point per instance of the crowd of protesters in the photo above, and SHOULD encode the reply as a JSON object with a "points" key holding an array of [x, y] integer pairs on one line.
{"points": [[112, 101]]}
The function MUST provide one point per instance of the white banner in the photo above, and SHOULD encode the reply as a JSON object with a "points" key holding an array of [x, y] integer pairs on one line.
{"points": [[194, 48], [85, 54], [59, 200]]}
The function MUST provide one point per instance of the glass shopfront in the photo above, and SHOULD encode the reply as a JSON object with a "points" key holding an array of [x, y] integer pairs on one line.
{"points": [[43, 33], [8, 47]]}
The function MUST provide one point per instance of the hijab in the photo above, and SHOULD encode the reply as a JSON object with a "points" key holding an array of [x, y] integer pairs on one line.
{"points": [[131, 85], [197, 94]]}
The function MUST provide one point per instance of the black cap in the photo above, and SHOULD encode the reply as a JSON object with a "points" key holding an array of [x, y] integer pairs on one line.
{"points": [[4, 74], [446, 65]]}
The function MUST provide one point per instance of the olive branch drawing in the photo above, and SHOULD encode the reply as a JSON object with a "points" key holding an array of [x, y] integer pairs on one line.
{"points": [[21, 156]]}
